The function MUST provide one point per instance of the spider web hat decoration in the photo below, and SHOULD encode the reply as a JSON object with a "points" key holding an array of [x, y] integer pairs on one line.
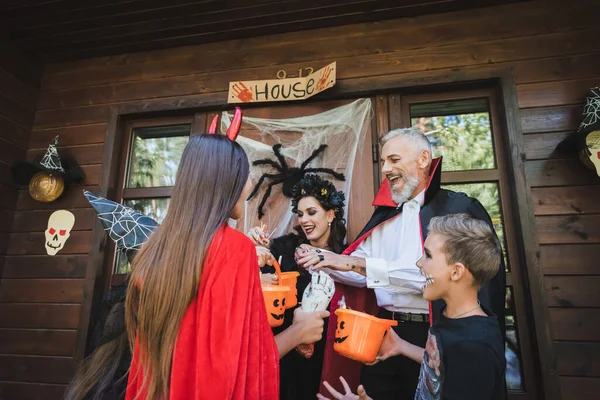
{"points": [[47, 178], [286, 175], [586, 141], [126, 227], [68, 169]]}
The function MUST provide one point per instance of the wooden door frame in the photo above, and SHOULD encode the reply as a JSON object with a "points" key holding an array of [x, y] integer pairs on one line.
{"points": [[508, 111]]}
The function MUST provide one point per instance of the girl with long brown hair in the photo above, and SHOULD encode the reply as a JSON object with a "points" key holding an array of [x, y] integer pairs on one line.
{"points": [[194, 307]]}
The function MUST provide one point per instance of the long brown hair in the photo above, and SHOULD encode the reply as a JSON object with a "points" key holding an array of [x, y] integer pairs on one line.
{"points": [[166, 272], [98, 373]]}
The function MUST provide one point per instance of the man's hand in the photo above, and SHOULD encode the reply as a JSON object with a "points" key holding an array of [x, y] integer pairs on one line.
{"points": [[309, 325], [361, 393], [309, 257], [264, 256]]}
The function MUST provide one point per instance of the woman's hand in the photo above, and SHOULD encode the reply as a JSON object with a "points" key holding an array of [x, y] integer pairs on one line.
{"points": [[309, 325], [264, 256], [362, 394], [259, 237]]}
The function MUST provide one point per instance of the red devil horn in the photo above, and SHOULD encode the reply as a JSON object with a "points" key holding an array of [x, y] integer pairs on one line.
{"points": [[213, 125], [234, 128]]}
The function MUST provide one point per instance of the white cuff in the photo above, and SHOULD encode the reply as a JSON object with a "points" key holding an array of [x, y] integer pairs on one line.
{"points": [[377, 272]]}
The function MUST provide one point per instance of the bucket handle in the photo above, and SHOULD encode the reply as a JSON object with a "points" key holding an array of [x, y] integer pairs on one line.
{"points": [[278, 270]]}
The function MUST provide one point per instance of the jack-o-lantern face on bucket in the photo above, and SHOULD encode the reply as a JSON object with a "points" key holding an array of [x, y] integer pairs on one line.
{"points": [[340, 333], [275, 297], [278, 310]]}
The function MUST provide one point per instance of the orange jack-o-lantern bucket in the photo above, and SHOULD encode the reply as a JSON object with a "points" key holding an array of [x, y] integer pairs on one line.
{"points": [[358, 335], [275, 299], [289, 279]]}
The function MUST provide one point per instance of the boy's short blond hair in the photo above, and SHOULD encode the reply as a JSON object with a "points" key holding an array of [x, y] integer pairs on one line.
{"points": [[471, 242]]}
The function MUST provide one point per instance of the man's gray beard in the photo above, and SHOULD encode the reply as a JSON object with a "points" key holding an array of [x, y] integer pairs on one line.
{"points": [[409, 187]]}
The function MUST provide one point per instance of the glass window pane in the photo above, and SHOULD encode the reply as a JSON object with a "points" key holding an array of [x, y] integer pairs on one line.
{"points": [[155, 155], [122, 265], [512, 351], [458, 130], [488, 196], [153, 208]]}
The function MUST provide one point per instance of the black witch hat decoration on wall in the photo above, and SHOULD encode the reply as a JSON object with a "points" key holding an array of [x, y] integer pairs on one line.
{"points": [[286, 175], [586, 141], [47, 177], [125, 226]]}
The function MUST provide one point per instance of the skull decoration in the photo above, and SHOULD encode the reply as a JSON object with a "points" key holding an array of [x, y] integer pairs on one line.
{"points": [[60, 224], [592, 142]]}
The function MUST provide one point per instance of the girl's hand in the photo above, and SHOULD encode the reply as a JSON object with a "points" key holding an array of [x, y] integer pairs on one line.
{"points": [[259, 237]]}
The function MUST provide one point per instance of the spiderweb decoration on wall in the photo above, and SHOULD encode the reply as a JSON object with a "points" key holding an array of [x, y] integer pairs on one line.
{"points": [[51, 159], [342, 129], [126, 227]]}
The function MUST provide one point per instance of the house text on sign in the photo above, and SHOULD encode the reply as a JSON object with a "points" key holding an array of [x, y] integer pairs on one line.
{"points": [[282, 89]]}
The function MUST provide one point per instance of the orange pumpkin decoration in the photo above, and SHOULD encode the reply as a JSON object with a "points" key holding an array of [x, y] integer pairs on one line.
{"points": [[275, 299], [289, 279], [358, 336]]}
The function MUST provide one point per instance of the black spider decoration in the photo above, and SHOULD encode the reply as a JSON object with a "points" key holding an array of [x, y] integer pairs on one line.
{"points": [[289, 176]]}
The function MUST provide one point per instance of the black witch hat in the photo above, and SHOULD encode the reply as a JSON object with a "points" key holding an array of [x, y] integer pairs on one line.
{"points": [[590, 123], [68, 169], [126, 227]]}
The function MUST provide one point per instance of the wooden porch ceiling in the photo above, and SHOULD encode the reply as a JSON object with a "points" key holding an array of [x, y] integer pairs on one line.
{"points": [[73, 29]]}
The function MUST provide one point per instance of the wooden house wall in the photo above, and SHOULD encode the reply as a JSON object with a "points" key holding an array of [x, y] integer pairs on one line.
{"points": [[552, 47], [19, 83]]}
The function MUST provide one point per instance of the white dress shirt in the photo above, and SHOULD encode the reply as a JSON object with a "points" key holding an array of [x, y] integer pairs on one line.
{"points": [[391, 252]]}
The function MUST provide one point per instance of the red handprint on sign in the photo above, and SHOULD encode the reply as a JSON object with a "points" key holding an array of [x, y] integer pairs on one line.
{"points": [[242, 92], [323, 79]]}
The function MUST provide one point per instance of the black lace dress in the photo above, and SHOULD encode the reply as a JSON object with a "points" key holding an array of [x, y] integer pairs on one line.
{"points": [[299, 377]]}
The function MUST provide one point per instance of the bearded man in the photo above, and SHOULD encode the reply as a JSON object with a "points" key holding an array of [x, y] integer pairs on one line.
{"points": [[384, 257]]}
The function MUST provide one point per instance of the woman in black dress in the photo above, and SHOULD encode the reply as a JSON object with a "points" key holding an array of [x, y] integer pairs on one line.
{"points": [[320, 210]]}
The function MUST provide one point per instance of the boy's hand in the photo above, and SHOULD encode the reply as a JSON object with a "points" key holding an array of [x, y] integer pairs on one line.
{"points": [[309, 325], [361, 393], [390, 347]]}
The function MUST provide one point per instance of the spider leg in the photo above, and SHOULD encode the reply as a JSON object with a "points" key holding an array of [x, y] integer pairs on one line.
{"points": [[313, 156], [266, 161], [339, 176], [280, 157], [260, 182], [266, 196]]}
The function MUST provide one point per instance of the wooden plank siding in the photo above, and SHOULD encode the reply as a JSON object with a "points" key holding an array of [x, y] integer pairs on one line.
{"points": [[551, 47], [25, 319]]}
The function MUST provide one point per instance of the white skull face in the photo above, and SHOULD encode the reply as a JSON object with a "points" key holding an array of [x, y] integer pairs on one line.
{"points": [[60, 224], [593, 145]]}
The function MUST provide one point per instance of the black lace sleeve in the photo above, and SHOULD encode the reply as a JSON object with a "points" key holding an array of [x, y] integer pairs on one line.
{"points": [[285, 247], [111, 319]]}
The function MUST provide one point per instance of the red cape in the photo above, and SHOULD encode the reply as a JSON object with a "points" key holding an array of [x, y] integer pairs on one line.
{"points": [[360, 299], [225, 348]]}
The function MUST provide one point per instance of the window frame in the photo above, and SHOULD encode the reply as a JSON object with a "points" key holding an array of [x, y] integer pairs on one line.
{"points": [[501, 176], [197, 122]]}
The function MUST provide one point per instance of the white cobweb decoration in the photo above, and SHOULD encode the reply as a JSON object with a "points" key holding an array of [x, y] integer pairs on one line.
{"points": [[342, 129], [51, 160], [591, 110]]}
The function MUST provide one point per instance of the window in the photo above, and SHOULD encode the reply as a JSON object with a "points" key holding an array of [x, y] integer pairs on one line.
{"points": [[462, 127], [152, 153]]}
